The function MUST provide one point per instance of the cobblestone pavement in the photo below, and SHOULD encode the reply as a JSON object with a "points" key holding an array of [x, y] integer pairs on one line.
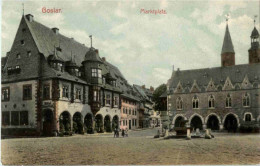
{"points": [[139, 148]]}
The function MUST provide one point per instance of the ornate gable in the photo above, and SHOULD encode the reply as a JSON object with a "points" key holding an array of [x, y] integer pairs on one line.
{"points": [[195, 88], [228, 84], [179, 88], [211, 86], [246, 84]]}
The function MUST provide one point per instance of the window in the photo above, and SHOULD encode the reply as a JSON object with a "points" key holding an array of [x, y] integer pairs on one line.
{"points": [[18, 56], [123, 122], [5, 94], [22, 42], [116, 101], [133, 122], [104, 80], [179, 103], [17, 67], [24, 30], [96, 73], [107, 99], [211, 101], [228, 101], [65, 91], [126, 111], [130, 111], [195, 102], [15, 118], [29, 53], [46, 91], [5, 118], [27, 92], [95, 95], [24, 118], [248, 118], [78, 94], [246, 100]]}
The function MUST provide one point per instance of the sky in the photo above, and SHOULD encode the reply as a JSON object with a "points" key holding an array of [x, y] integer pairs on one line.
{"points": [[145, 47]]}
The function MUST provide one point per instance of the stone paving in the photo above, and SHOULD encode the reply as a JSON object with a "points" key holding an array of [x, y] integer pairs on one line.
{"points": [[140, 148]]}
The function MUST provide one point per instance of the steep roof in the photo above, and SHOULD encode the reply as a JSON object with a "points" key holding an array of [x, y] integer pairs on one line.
{"points": [[142, 93], [255, 33], [45, 39], [219, 75], [227, 43]]}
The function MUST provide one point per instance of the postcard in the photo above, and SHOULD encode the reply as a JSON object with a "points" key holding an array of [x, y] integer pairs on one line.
{"points": [[160, 82]]}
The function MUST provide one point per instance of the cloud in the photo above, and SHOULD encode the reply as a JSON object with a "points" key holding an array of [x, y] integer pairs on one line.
{"points": [[145, 46]]}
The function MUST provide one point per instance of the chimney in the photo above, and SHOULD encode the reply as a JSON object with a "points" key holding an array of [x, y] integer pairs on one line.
{"points": [[143, 86], [55, 30], [151, 89], [96, 50], [103, 59], [29, 17]]}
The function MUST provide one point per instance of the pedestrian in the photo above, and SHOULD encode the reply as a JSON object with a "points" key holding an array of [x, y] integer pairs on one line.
{"points": [[126, 134], [123, 133], [115, 132]]}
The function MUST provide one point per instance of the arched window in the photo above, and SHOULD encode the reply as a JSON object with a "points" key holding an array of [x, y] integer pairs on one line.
{"points": [[228, 101], [179, 103], [246, 100], [211, 101], [195, 102], [248, 118]]}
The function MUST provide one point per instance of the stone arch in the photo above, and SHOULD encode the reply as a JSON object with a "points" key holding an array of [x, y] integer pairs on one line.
{"points": [[115, 122], [65, 121], [78, 123], [213, 121], [196, 114], [212, 114], [250, 113], [99, 126], [236, 116], [176, 116], [107, 123], [88, 122], [231, 122], [196, 121]]}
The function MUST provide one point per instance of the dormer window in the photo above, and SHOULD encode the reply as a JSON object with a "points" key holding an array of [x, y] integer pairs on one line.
{"points": [[22, 42], [104, 80], [29, 53], [17, 67], [18, 56]]}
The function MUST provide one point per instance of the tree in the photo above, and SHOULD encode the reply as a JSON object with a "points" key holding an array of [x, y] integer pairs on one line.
{"points": [[156, 97]]}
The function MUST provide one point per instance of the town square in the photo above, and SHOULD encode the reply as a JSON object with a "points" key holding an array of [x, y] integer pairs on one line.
{"points": [[130, 83]]}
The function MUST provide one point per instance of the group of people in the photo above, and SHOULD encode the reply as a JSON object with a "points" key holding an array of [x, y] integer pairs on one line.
{"points": [[124, 132]]}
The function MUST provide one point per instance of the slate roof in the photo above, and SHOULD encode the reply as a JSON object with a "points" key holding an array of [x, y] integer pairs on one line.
{"points": [[227, 43], [255, 33], [45, 40], [142, 93], [219, 75], [3, 61], [92, 55]]}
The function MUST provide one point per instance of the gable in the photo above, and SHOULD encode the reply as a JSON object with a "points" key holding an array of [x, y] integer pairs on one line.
{"points": [[28, 53]]}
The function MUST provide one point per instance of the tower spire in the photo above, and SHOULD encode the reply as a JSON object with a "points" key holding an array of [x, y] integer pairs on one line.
{"points": [[255, 16], [90, 36], [23, 8], [227, 52]]}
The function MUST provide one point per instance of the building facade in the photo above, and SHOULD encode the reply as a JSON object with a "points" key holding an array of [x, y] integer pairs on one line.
{"points": [[225, 97], [52, 83]]}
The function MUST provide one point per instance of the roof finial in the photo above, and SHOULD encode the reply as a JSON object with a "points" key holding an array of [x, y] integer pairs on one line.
{"points": [[227, 17], [23, 8], [255, 19], [90, 36]]}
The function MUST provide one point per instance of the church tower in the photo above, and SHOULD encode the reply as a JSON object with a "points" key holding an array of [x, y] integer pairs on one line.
{"points": [[254, 51], [227, 53]]}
